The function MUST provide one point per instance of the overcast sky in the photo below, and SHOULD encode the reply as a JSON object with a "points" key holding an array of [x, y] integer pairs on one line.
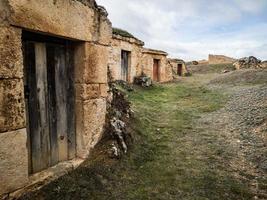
{"points": [[192, 29]]}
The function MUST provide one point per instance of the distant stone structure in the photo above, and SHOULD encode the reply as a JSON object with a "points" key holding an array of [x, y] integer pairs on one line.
{"points": [[129, 59], [154, 64], [220, 59], [125, 54], [178, 66]]}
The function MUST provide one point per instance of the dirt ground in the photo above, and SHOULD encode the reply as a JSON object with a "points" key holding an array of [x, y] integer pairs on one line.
{"points": [[201, 137]]}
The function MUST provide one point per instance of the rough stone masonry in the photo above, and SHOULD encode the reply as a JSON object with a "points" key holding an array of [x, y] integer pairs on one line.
{"points": [[90, 31]]}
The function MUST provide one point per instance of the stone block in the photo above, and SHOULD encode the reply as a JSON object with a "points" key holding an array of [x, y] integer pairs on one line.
{"points": [[13, 160], [89, 125], [79, 62], [11, 60], [87, 91], [105, 31], [71, 19], [12, 106], [96, 63], [103, 90], [4, 13], [91, 61]]}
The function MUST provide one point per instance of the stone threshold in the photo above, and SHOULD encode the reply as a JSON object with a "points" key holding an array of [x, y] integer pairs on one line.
{"points": [[40, 179]]}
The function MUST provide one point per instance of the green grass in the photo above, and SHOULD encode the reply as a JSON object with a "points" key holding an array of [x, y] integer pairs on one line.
{"points": [[169, 164], [213, 68], [122, 32], [219, 67], [172, 158]]}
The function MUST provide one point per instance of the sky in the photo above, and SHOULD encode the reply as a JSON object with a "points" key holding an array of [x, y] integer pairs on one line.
{"points": [[192, 29]]}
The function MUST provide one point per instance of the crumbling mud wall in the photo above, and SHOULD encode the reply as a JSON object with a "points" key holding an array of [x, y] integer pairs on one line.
{"points": [[134, 47], [147, 62], [220, 59], [80, 21]]}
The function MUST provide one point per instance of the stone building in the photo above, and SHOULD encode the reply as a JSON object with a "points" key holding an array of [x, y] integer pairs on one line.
{"points": [[155, 64], [178, 67], [53, 86], [128, 58], [124, 55]]}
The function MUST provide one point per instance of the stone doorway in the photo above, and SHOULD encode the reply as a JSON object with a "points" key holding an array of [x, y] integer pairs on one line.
{"points": [[50, 100], [125, 59], [156, 70], [180, 69]]}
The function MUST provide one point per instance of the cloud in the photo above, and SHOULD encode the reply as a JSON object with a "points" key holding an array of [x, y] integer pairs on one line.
{"points": [[194, 28], [254, 7]]}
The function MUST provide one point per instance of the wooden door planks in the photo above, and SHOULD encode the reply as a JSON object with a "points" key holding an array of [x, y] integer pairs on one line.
{"points": [[49, 91], [61, 102]]}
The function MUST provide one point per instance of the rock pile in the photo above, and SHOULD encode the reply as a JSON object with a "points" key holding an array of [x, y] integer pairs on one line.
{"points": [[264, 64], [195, 62], [248, 62], [118, 115], [143, 81], [124, 85]]}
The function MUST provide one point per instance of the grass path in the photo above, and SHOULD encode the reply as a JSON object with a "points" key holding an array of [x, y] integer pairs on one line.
{"points": [[173, 158], [177, 159]]}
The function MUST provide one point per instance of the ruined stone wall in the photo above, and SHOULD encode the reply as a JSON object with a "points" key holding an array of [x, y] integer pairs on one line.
{"points": [[132, 45], [71, 19], [220, 59], [147, 62]]}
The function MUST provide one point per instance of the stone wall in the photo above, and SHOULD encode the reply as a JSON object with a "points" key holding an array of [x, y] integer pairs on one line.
{"points": [[174, 65], [132, 45], [141, 59], [147, 62], [79, 20], [220, 59]]}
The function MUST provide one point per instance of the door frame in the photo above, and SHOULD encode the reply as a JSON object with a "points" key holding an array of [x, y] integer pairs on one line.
{"points": [[158, 69], [127, 54], [34, 38], [180, 69]]}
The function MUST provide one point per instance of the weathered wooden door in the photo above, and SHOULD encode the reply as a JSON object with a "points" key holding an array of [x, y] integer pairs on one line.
{"points": [[156, 70], [49, 93], [124, 65], [180, 69]]}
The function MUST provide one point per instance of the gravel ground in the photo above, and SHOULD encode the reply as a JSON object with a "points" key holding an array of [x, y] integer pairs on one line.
{"points": [[242, 128], [242, 77]]}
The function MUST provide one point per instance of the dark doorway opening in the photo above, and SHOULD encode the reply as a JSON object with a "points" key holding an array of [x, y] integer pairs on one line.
{"points": [[50, 100], [180, 69], [156, 69], [125, 63]]}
